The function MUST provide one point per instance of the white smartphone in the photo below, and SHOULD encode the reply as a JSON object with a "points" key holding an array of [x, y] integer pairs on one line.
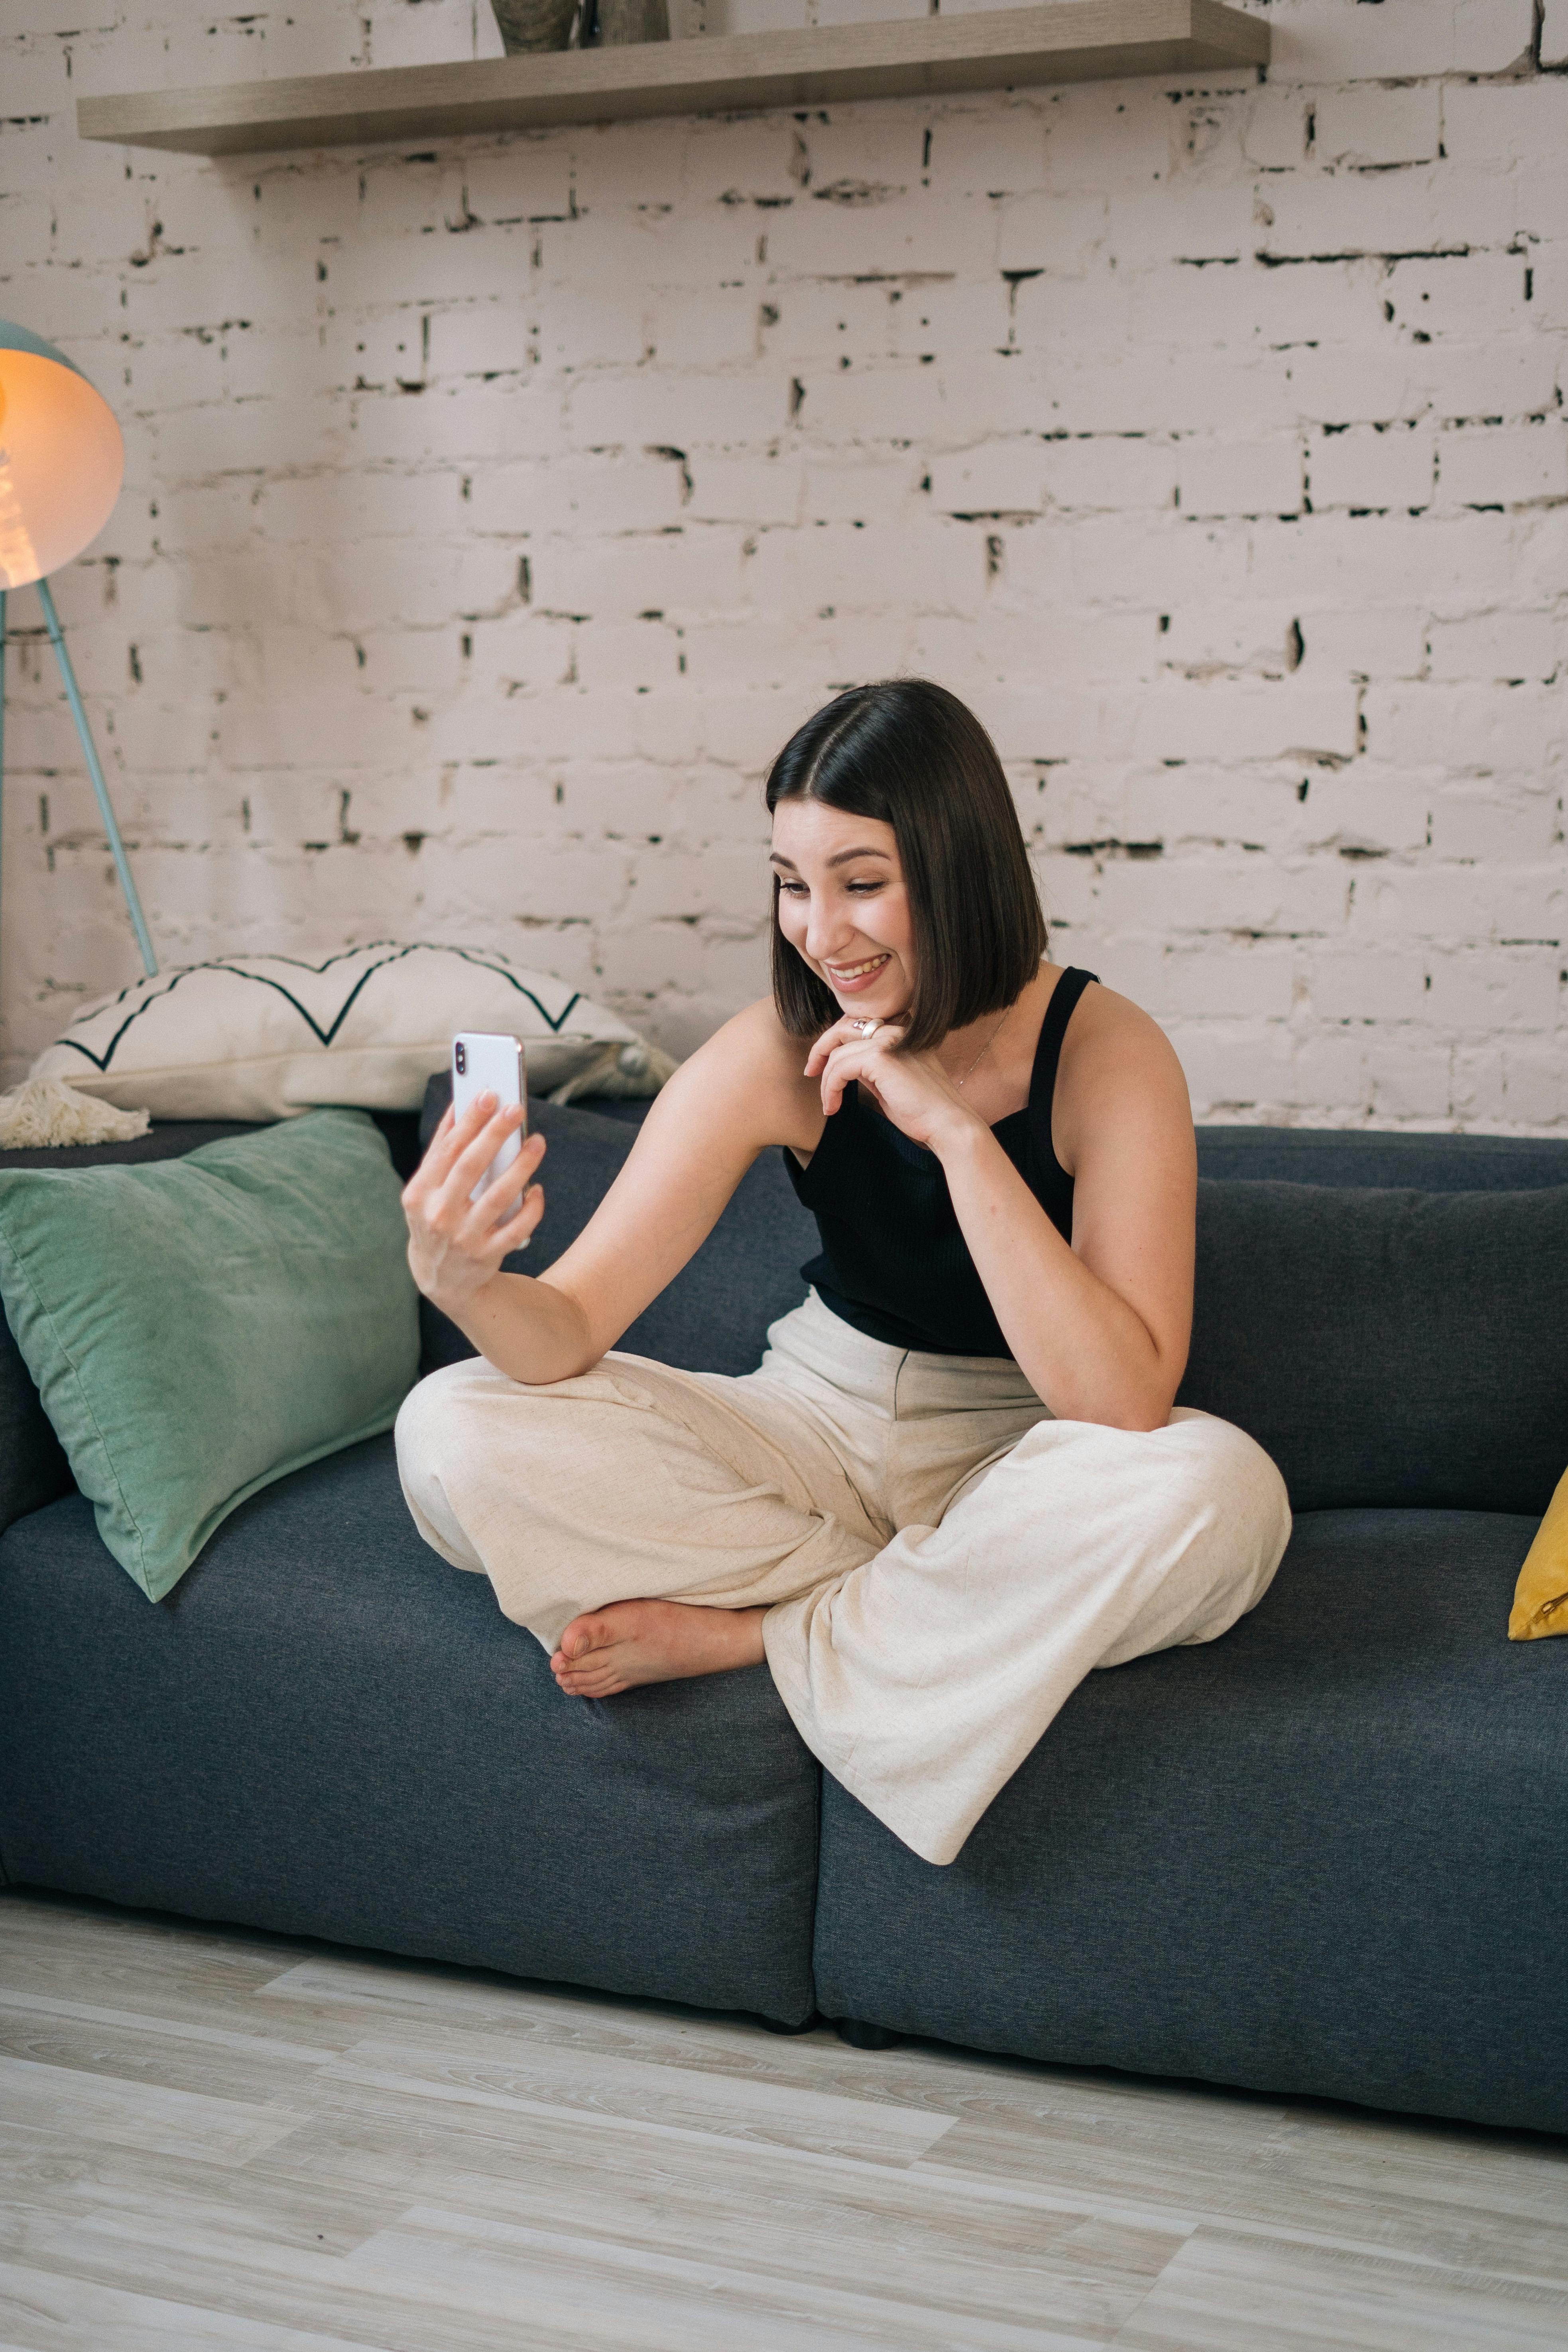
{"points": [[486, 1065]]}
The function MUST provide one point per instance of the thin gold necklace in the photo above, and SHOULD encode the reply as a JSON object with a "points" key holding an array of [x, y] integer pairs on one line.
{"points": [[959, 1084]]}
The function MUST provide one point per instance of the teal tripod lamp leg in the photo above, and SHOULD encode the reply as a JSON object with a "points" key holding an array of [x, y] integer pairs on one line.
{"points": [[105, 806]]}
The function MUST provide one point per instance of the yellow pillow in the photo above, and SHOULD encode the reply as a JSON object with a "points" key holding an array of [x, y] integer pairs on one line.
{"points": [[1540, 1596]]}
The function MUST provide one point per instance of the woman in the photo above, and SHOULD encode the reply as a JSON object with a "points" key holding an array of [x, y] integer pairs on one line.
{"points": [[956, 1483]]}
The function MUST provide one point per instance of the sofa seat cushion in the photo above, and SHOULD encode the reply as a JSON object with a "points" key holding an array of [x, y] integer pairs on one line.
{"points": [[327, 1731], [1319, 1855]]}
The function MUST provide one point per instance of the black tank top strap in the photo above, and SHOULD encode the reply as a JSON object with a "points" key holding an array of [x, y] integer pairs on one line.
{"points": [[1043, 1083]]}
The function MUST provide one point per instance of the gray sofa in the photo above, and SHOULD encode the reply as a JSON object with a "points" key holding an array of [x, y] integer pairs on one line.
{"points": [[1320, 1855]]}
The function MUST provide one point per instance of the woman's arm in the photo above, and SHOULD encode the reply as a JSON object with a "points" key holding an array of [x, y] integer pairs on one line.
{"points": [[739, 1092], [1100, 1330]]}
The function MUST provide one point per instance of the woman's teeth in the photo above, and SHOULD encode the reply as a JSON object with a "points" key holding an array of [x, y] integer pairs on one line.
{"points": [[856, 971]]}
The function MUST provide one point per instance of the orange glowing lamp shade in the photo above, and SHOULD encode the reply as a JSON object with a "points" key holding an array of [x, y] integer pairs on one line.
{"points": [[62, 458]]}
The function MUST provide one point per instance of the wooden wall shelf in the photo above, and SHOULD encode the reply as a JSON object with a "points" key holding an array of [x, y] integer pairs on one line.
{"points": [[925, 57]]}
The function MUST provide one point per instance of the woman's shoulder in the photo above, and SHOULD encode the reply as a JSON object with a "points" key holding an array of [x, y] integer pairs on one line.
{"points": [[1114, 1052], [1103, 1014], [755, 1039], [755, 1070]]}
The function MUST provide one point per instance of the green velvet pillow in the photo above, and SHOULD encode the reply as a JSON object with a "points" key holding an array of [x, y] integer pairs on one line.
{"points": [[200, 1327]]}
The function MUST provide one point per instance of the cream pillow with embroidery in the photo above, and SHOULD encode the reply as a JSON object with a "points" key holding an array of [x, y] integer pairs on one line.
{"points": [[265, 1037]]}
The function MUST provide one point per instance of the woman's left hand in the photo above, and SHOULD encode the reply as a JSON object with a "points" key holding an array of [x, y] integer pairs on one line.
{"points": [[913, 1090]]}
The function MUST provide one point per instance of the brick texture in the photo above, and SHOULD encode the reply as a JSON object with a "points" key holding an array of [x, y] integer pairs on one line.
{"points": [[494, 508]]}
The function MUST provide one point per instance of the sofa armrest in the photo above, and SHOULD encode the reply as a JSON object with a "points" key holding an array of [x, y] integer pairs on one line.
{"points": [[33, 1467]]}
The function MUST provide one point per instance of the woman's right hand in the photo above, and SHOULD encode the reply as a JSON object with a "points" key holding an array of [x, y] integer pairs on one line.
{"points": [[455, 1245]]}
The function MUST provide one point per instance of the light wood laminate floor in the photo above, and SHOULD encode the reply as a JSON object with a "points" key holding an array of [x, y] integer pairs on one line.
{"points": [[219, 2141]]}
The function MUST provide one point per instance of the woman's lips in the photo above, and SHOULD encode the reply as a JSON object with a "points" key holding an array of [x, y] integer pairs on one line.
{"points": [[858, 976]]}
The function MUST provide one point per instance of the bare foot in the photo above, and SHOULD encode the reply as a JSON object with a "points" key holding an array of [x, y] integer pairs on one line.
{"points": [[610, 1650]]}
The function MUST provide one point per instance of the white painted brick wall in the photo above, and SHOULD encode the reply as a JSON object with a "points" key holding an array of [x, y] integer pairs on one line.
{"points": [[495, 508]]}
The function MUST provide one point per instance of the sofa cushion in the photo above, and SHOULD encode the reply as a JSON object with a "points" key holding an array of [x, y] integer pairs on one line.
{"points": [[201, 1327], [1388, 1346], [1383, 1346], [1363, 1156], [266, 1036], [1541, 1597], [1318, 1855], [327, 1731], [33, 1465]]}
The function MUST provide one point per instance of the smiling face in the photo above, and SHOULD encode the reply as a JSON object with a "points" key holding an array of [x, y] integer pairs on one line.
{"points": [[844, 905]]}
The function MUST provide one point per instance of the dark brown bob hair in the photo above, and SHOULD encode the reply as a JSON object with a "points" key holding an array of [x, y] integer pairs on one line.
{"points": [[908, 753]]}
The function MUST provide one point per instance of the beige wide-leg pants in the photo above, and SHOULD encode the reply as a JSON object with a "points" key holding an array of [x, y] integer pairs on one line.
{"points": [[945, 1560]]}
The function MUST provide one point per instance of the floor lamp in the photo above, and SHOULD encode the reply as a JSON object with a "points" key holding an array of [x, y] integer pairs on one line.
{"points": [[61, 461]]}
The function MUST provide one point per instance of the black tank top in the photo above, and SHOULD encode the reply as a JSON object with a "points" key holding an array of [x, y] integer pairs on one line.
{"points": [[894, 1263]]}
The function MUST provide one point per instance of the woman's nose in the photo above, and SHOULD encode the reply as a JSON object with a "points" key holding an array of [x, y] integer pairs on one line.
{"points": [[828, 934]]}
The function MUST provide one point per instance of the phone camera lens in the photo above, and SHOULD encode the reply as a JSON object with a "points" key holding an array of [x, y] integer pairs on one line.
{"points": [[462, 1059]]}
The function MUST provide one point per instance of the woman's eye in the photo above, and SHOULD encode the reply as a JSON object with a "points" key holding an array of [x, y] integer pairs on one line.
{"points": [[865, 889], [792, 890]]}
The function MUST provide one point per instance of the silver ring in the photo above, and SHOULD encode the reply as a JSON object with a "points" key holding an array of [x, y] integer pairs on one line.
{"points": [[865, 1028]]}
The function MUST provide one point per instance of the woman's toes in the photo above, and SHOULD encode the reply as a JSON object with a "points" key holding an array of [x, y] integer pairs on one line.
{"points": [[602, 1686]]}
